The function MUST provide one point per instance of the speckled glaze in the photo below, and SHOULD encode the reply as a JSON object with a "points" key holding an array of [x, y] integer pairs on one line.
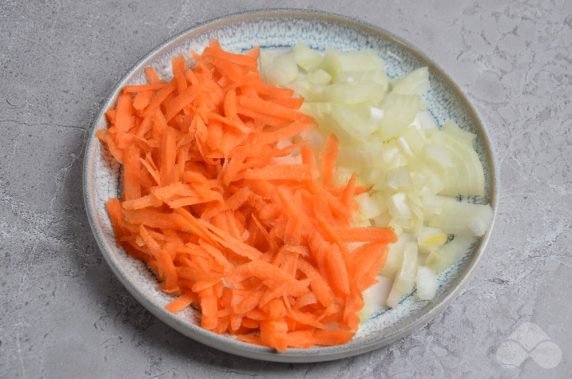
{"points": [[276, 29]]}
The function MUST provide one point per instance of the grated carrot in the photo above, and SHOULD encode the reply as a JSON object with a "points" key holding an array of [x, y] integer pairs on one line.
{"points": [[260, 248]]}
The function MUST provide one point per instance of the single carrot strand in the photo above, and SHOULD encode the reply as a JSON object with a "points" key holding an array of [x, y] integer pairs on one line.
{"points": [[181, 302], [283, 172], [329, 160]]}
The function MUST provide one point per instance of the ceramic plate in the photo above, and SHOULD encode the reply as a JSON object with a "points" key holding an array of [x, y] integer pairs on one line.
{"points": [[278, 29]]}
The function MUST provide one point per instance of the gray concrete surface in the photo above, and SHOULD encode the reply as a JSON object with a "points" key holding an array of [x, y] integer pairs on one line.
{"points": [[64, 315]]}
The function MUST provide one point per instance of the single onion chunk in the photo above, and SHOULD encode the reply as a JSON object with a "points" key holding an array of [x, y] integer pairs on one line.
{"points": [[427, 181]]}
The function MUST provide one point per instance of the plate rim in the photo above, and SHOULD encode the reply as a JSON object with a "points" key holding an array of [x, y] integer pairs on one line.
{"points": [[293, 355]]}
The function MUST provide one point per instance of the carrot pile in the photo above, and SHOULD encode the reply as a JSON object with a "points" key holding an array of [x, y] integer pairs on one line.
{"points": [[251, 231]]}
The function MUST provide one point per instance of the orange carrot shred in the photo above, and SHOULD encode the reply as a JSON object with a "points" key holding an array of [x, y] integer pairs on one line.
{"points": [[181, 302], [329, 160], [367, 234]]}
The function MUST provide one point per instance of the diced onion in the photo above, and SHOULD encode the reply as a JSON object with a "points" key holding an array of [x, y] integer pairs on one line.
{"points": [[430, 239], [284, 69], [457, 217], [446, 256], [405, 279], [426, 283], [415, 83], [398, 206], [375, 297]]}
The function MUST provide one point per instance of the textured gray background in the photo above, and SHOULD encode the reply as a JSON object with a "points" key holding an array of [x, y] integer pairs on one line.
{"points": [[64, 315]]}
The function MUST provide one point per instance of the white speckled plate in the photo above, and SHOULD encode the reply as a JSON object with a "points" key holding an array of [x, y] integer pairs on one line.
{"points": [[272, 29]]}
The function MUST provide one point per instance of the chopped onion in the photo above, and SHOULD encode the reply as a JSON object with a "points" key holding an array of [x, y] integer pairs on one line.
{"points": [[415, 83], [376, 113], [398, 178], [430, 239], [320, 77], [457, 217], [446, 256], [284, 69], [438, 155], [405, 279], [451, 128], [395, 256], [398, 207], [399, 111], [307, 58], [340, 64], [375, 297], [426, 121], [368, 207], [426, 283]]}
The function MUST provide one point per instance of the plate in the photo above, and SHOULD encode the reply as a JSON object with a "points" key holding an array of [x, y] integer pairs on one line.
{"points": [[278, 29]]}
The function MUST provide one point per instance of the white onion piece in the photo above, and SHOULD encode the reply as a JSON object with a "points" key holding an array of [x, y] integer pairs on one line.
{"points": [[307, 58], [376, 113], [399, 111], [414, 83], [457, 217], [395, 256], [265, 61], [398, 207], [343, 175], [405, 279], [426, 283], [430, 239], [451, 128], [368, 207], [284, 69], [375, 297], [426, 121], [449, 254], [319, 77], [438, 155], [353, 93], [398, 178], [342, 64]]}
